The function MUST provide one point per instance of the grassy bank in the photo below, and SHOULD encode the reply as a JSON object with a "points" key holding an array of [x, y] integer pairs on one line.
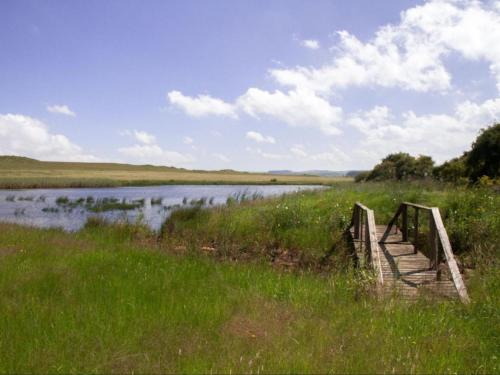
{"points": [[309, 226], [202, 297], [18, 173]]}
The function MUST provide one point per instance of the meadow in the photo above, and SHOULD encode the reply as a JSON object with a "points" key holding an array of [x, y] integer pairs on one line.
{"points": [[261, 285], [20, 172]]}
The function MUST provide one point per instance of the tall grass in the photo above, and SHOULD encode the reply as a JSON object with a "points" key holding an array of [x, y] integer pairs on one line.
{"points": [[110, 299], [312, 223], [120, 298]]}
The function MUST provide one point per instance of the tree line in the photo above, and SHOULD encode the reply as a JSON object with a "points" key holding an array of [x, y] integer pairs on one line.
{"points": [[481, 163]]}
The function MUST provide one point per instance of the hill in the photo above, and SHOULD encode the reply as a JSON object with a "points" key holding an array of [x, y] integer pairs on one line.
{"points": [[22, 172]]}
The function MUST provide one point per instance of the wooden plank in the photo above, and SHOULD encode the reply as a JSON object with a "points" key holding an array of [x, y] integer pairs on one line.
{"points": [[450, 258], [374, 248]]}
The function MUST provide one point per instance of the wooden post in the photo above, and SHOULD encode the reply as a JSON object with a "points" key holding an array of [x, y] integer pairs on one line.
{"points": [[433, 243], [415, 230], [356, 221], [367, 240], [404, 229], [360, 229]]}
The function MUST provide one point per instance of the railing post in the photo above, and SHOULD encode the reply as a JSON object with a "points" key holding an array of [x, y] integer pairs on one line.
{"points": [[404, 229], [356, 221], [367, 240], [415, 230], [434, 263], [361, 229]]}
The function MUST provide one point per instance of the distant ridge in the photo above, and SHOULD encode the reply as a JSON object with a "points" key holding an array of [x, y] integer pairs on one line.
{"points": [[316, 172]]}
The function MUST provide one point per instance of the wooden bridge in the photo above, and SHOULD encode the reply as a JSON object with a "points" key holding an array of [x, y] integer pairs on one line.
{"points": [[411, 255]]}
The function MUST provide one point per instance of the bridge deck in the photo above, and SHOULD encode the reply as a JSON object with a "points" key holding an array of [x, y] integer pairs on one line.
{"points": [[406, 272]]}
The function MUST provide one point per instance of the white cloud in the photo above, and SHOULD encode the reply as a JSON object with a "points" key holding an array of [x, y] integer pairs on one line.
{"points": [[202, 105], [221, 157], [267, 155], [310, 43], [441, 135], [148, 151], [410, 54], [259, 138], [26, 136], [154, 154], [187, 140], [298, 151], [61, 109], [335, 157], [140, 136], [295, 108]]}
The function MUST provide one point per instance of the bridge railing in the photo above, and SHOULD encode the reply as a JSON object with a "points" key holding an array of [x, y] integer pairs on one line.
{"points": [[365, 233], [437, 239]]}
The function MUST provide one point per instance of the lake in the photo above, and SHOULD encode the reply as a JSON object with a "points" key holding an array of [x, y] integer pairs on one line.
{"points": [[70, 208]]}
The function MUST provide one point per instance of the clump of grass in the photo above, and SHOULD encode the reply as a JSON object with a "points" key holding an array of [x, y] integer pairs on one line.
{"points": [[41, 198], [10, 198], [111, 204], [50, 210], [27, 198], [62, 200], [19, 211], [156, 201]]}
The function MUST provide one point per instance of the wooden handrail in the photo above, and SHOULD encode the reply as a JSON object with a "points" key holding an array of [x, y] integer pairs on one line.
{"points": [[437, 235], [363, 220]]}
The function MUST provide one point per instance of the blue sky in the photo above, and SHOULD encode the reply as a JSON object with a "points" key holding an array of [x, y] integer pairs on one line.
{"points": [[249, 85]]}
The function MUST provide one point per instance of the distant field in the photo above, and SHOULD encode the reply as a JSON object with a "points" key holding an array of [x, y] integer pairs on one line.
{"points": [[18, 172]]}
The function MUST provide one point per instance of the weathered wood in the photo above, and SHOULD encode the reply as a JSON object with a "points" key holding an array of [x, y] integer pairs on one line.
{"points": [[450, 258], [404, 228], [415, 230], [399, 265], [374, 247]]}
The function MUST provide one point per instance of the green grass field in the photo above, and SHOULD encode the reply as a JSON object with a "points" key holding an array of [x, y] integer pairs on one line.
{"points": [[210, 294], [17, 172]]}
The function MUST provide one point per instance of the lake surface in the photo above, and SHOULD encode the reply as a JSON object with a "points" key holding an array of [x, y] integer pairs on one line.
{"points": [[70, 208]]}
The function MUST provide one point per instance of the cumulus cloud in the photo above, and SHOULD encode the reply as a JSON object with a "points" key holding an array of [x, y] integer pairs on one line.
{"points": [[310, 43], [441, 135], [259, 138], [202, 105], [295, 108], [154, 154], [187, 140], [409, 55], [26, 136], [61, 109], [148, 151]]}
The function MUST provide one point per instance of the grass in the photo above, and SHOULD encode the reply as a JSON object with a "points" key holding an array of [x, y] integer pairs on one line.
{"points": [[110, 300], [18, 172], [309, 225], [120, 298]]}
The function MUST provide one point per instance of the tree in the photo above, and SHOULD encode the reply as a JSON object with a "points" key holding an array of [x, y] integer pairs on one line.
{"points": [[423, 166], [402, 166], [484, 157], [452, 170]]}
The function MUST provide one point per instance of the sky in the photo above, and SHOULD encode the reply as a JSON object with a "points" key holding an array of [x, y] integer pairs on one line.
{"points": [[248, 85]]}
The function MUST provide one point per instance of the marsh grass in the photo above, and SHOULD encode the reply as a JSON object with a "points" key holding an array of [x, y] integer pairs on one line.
{"points": [[200, 296], [310, 224], [111, 299]]}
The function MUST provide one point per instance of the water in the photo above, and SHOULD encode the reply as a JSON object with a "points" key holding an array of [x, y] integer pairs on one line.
{"points": [[38, 207]]}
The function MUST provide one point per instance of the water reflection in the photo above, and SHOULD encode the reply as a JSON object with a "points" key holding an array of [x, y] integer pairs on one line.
{"points": [[70, 208]]}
